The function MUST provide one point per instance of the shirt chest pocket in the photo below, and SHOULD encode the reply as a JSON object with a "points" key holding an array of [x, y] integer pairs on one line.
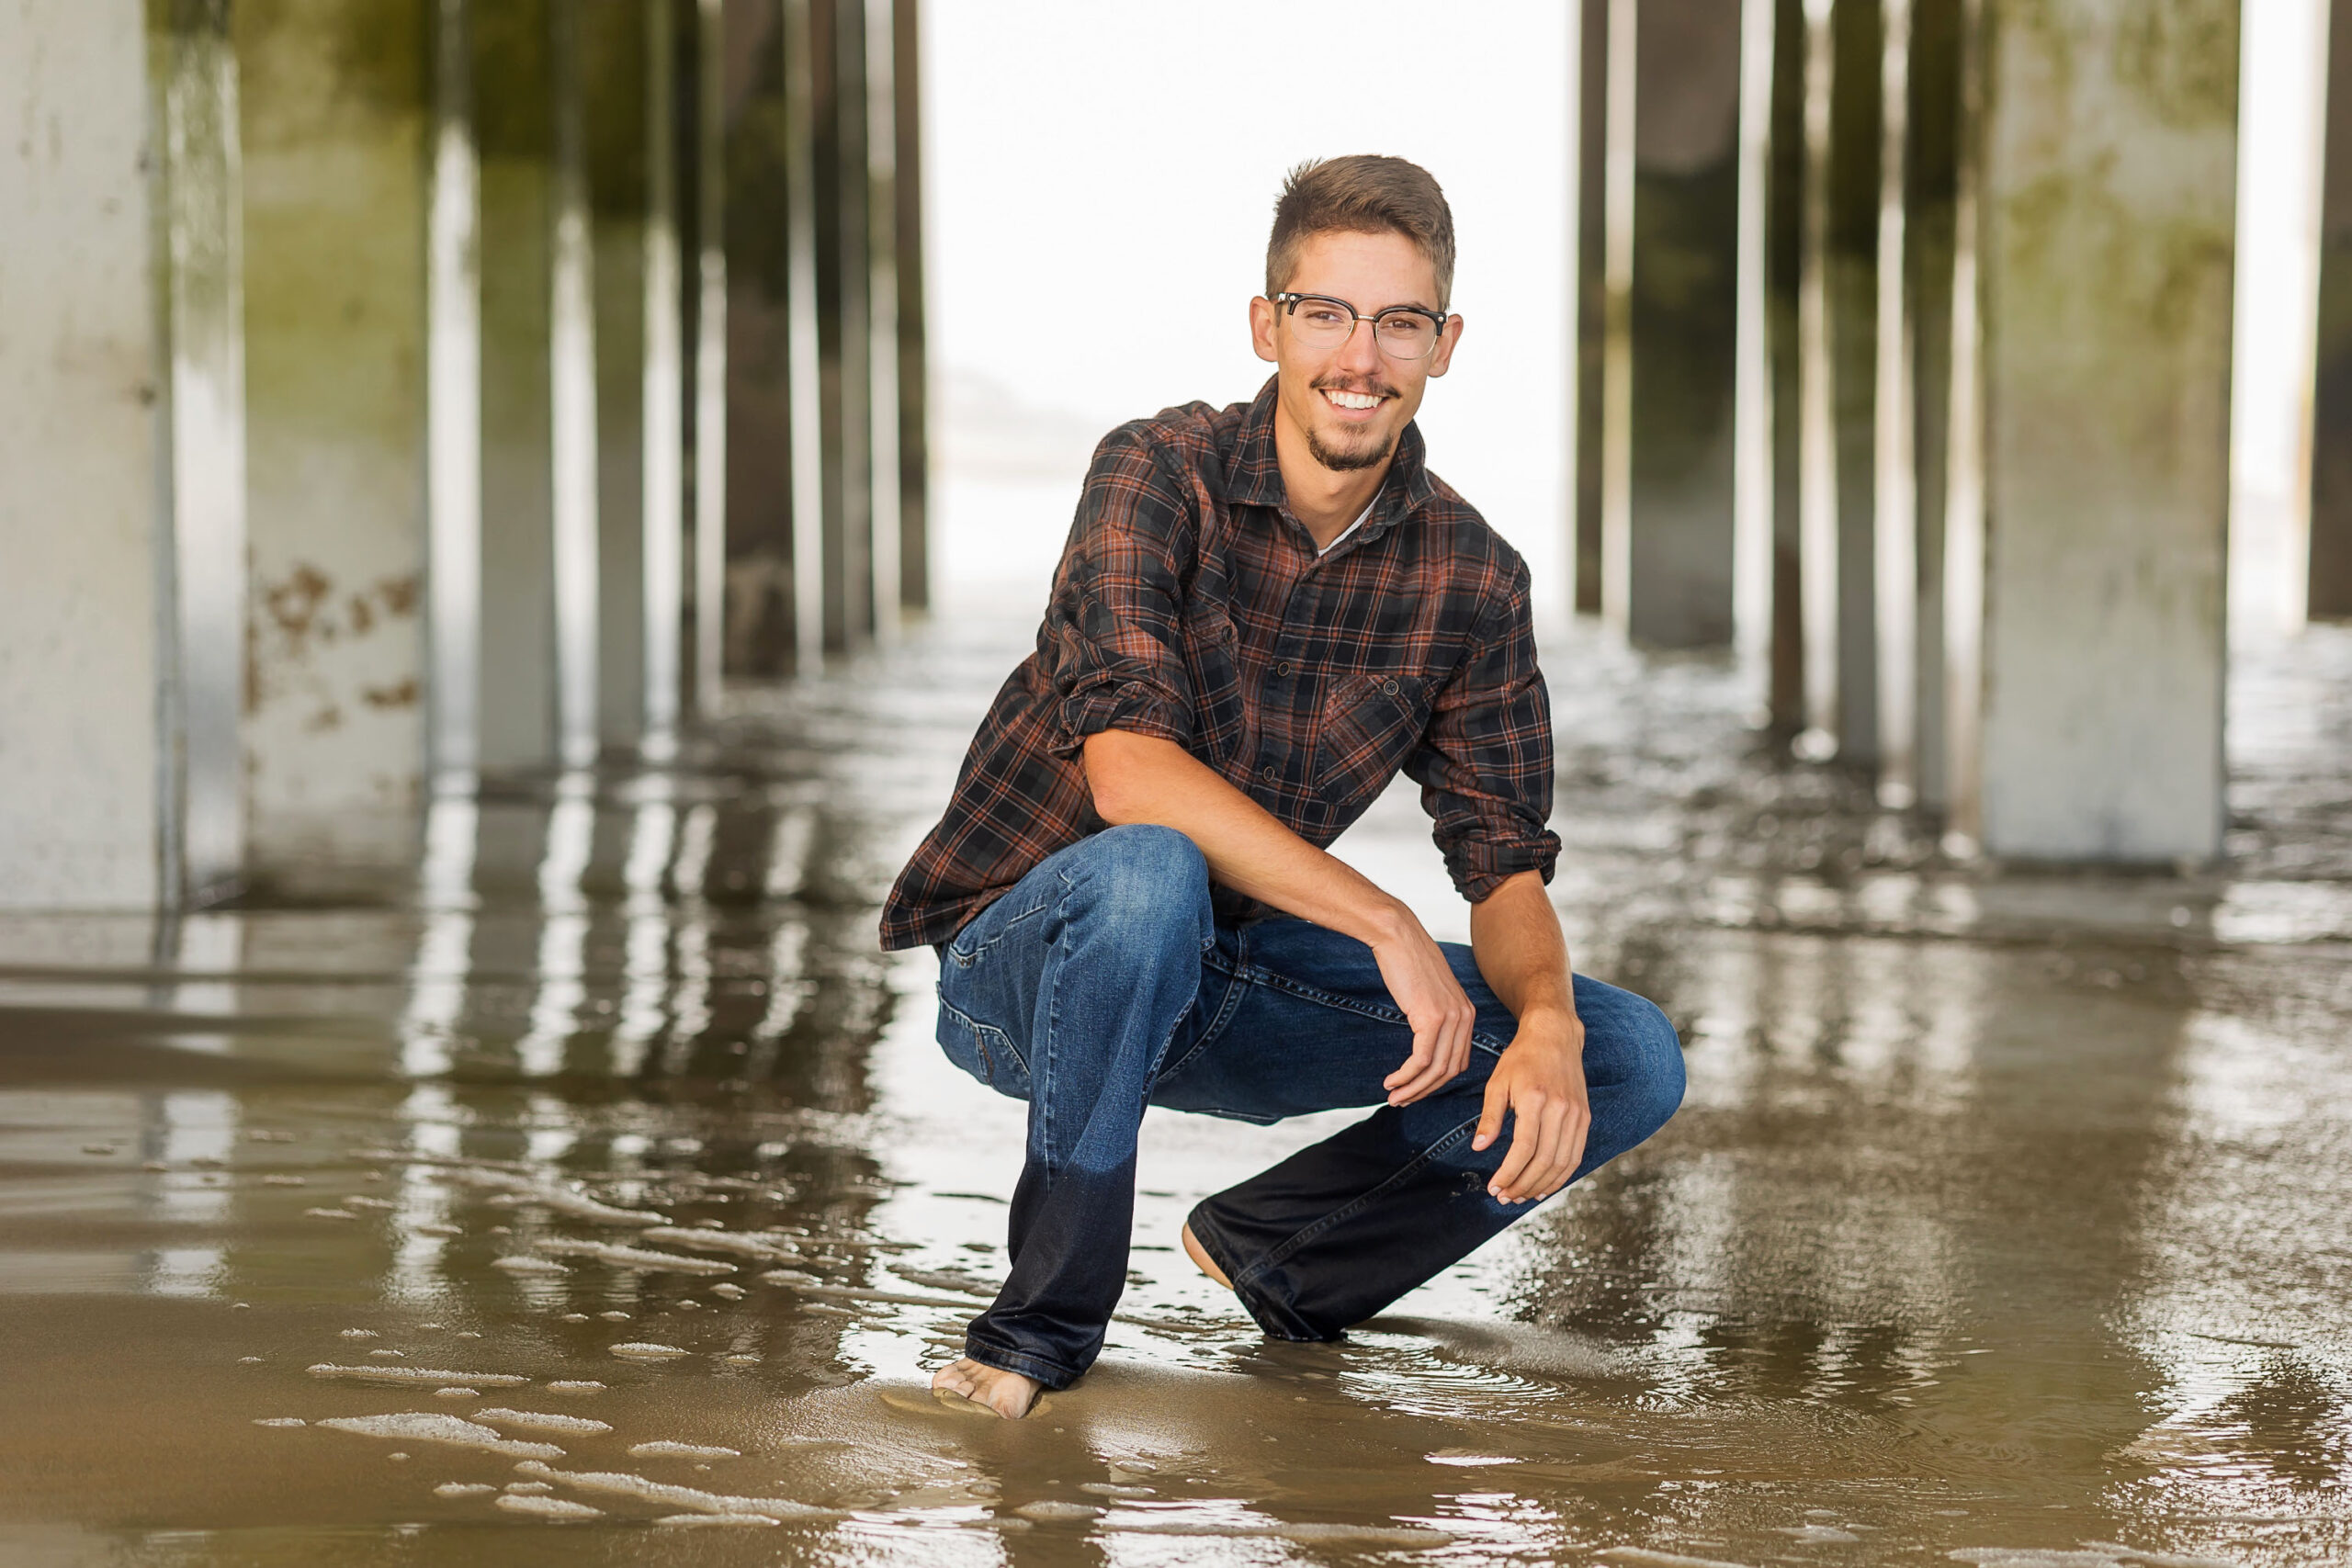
{"points": [[1370, 726]]}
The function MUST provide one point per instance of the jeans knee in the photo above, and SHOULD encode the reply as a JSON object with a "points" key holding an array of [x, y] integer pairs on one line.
{"points": [[1148, 884], [1660, 1078]]}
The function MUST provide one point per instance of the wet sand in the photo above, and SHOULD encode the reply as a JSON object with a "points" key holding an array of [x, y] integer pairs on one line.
{"points": [[2009, 1221]]}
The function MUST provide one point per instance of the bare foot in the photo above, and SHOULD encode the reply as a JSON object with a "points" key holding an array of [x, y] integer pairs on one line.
{"points": [[1008, 1393], [1201, 1259]]}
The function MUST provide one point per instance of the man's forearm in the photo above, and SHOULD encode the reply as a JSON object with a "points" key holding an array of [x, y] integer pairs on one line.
{"points": [[1515, 934], [1142, 778]]}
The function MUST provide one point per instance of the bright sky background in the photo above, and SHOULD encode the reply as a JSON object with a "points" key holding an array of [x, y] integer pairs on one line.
{"points": [[1085, 151], [2282, 92]]}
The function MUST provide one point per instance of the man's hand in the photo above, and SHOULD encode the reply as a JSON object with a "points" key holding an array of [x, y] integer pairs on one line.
{"points": [[1540, 1080], [1421, 984]]}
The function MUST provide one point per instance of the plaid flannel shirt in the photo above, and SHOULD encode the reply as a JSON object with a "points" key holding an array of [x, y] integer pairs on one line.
{"points": [[1191, 605]]}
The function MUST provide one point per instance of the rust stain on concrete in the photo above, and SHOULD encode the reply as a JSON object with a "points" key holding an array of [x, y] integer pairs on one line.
{"points": [[404, 695], [293, 605], [399, 594]]}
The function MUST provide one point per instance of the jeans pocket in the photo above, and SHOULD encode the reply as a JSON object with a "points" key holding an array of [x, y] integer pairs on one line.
{"points": [[983, 1051]]}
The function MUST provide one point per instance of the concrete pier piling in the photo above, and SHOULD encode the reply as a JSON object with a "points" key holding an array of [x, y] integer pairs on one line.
{"points": [[1852, 171], [453, 406], [337, 122], [1837, 374], [617, 126], [1782, 266], [760, 433], [515, 131], [2329, 592], [2086, 719], [1671, 198], [707, 432], [1590, 302], [1931, 127], [85, 458], [203, 224], [905, 258], [844, 191]]}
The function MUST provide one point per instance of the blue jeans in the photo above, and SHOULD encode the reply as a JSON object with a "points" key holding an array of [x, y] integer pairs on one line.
{"points": [[1102, 983]]}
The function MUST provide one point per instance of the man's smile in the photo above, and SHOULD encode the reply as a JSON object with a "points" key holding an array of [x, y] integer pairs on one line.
{"points": [[1354, 405]]}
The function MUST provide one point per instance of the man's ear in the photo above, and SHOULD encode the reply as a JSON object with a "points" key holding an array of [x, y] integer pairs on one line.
{"points": [[1261, 328], [1443, 357]]}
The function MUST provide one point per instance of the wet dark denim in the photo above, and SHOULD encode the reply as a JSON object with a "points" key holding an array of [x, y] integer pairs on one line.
{"points": [[1101, 984]]}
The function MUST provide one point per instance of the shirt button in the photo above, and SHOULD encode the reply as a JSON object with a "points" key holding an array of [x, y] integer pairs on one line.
{"points": [[1282, 667], [1389, 687], [1270, 772]]}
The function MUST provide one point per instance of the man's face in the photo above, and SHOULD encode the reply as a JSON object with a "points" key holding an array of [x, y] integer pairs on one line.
{"points": [[1351, 400]]}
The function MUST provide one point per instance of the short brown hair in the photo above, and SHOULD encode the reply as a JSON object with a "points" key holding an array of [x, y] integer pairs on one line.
{"points": [[1361, 193]]}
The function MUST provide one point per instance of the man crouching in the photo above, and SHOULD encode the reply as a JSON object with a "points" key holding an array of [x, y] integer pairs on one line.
{"points": [[1262, 615]]}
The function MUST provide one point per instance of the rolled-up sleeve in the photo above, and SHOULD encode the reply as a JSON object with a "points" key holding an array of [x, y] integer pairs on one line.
{"points": [[1485, 763], [1114, 635]]}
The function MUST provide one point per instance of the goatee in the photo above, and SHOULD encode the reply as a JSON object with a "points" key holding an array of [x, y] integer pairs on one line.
{"points": [[1347, 461]]}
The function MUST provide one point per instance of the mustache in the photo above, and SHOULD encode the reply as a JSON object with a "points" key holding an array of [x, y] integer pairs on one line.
{"points": [[1355, 384]]}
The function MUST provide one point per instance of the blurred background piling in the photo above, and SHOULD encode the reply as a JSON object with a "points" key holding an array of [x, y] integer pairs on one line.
{"points": [[399, 389]]}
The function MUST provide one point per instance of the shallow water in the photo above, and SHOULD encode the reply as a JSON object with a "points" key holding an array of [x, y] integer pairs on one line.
{"points": [[2009, 1221]]}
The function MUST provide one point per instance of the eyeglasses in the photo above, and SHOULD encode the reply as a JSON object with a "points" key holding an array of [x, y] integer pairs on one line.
{"points": [[1403, 332]]}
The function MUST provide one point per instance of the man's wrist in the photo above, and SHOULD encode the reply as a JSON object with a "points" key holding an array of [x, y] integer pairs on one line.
{"points": [[1552, 1024], [1387, 921]]}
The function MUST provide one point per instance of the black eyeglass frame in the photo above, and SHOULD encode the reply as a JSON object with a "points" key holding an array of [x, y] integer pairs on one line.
{"points": [[1291, 302]]}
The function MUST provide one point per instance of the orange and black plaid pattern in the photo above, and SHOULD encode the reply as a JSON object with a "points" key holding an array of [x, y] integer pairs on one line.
{"points": [[1191, 605]]}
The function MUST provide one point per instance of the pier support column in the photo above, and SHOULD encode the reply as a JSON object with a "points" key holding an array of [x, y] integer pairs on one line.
{"points": [[203, 680], [575, 483], [1670, 363], [1753, 423], [1785, 216], [914, 359], [82, 376], [1855, 141], [761, 436], [661, 610], [515, 140], [1837, 375], [337, 107], [1894, 511], [1588, 308], [1930, 149], [628, 86], [804, 330], [845, 304], [707, 425], [453, 408], [615, 117], [2329, 595], [2090, 728], [884, 537]]}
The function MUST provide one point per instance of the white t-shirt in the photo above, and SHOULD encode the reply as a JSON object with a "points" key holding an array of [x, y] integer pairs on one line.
{"points": [[1351, 528]]}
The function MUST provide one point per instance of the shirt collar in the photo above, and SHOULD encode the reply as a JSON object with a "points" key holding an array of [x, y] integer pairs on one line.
{"points": [[1254, 475]]}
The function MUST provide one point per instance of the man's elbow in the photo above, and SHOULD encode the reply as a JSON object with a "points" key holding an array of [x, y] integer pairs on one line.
{"points": [[1118, 776], [1111, 777]]}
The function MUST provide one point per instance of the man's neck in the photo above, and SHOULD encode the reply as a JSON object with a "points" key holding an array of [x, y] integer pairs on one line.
{"points": [[1324, 500]]}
